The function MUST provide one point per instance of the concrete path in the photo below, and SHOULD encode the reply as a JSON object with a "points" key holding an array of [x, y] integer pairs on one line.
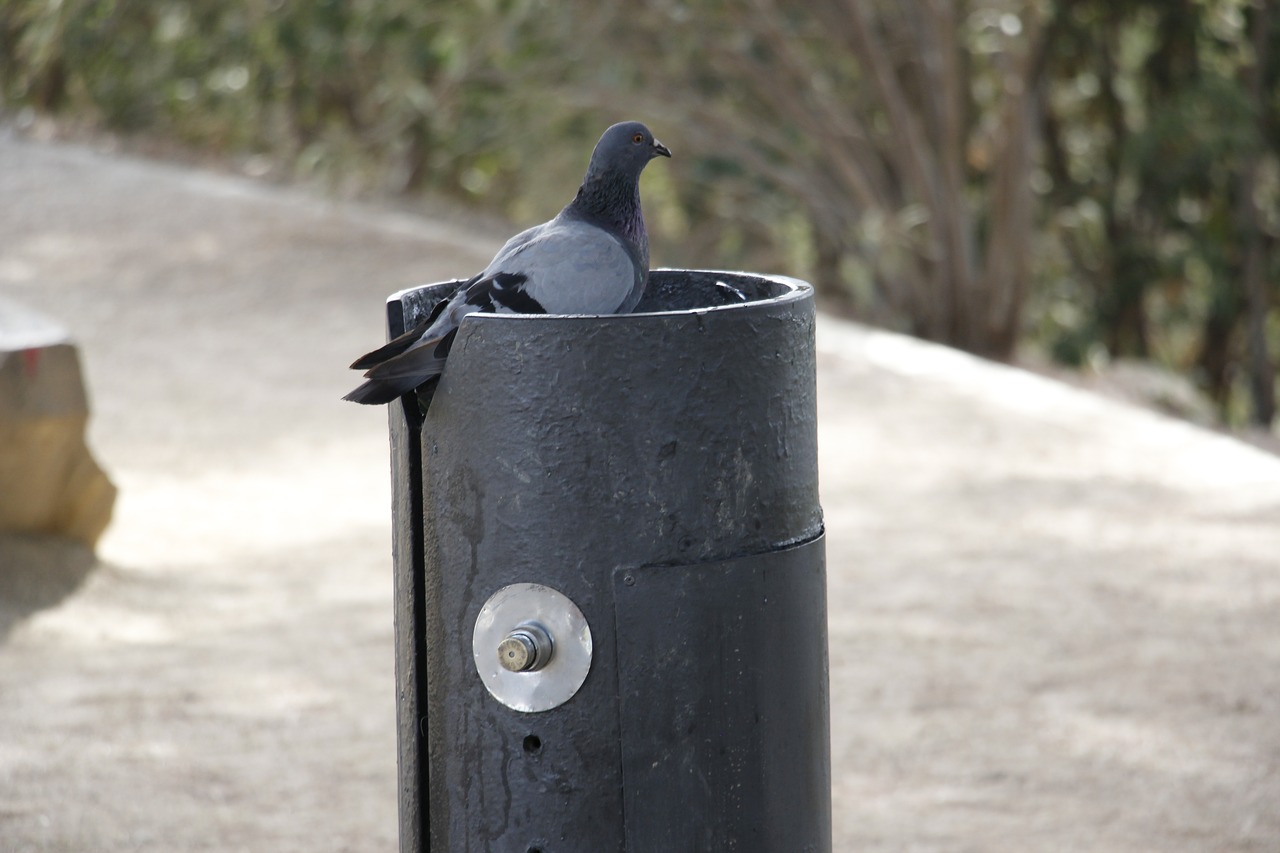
{"points": [[1055, 620]]}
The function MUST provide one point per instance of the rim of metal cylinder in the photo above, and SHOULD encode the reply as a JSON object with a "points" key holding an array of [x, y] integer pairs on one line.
{"points": [[795, 289]]}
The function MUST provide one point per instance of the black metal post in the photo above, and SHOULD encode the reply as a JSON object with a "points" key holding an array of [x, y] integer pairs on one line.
{"points": [[633, 499]]}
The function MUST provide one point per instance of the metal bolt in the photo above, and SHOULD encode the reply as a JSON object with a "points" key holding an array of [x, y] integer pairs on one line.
{"points": [[540, 618], [527, 648]]}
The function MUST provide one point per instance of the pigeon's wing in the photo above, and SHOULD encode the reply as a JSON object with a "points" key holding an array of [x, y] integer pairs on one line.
{"points": [[563, 267]]}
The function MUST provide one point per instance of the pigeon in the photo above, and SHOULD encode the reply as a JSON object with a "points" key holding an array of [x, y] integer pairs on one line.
{"points": [[592, 258]]}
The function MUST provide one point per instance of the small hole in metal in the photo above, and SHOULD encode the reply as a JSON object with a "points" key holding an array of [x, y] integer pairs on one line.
{"points": [[533, 745], [535, 850]]}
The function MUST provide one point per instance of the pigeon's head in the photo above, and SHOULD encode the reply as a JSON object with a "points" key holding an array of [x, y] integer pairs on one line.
{"points": [[625, 148]]}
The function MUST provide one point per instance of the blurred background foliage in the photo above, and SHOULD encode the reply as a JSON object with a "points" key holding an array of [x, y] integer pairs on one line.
{"points": [[1093, 179]]}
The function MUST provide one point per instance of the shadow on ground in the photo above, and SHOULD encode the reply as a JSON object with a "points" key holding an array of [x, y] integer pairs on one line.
{"points": [[39, 572]]}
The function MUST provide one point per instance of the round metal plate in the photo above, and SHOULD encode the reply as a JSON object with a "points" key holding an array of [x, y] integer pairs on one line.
{"points": [[554, 684]]}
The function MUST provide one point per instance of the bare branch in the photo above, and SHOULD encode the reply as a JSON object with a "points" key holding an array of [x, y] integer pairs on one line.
{"points": [[835, 127], [912, 154], [1010, 203]]}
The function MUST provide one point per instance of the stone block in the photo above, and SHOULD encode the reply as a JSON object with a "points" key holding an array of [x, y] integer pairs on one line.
{"points": [[49, 481]]}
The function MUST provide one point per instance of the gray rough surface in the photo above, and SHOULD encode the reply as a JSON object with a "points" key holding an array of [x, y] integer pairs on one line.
{"points": [[1053, 617]]}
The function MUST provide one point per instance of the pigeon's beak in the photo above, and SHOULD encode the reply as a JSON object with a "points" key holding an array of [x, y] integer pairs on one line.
{"points": [[660, 150]]}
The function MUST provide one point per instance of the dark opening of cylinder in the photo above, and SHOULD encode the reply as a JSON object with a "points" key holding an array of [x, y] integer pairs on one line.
{"points": [[686, 290]]}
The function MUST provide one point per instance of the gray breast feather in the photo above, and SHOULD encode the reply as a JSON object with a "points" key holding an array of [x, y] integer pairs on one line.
{"points": [[571, 268]]}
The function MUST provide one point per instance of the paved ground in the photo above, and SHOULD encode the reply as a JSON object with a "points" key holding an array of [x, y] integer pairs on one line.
{"points": [[1055, 620]]}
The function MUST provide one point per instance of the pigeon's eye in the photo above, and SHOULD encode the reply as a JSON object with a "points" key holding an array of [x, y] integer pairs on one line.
{"points": [[638, 138]]}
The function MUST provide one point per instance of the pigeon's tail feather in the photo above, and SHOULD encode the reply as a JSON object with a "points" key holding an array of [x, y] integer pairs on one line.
{"points": [[388, 350], [375, 392], [400, 343], [394, 347], [421, 361], [404, 372]]}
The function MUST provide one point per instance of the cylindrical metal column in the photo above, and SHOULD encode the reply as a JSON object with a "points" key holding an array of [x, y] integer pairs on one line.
{"points": [[611, 621]]}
